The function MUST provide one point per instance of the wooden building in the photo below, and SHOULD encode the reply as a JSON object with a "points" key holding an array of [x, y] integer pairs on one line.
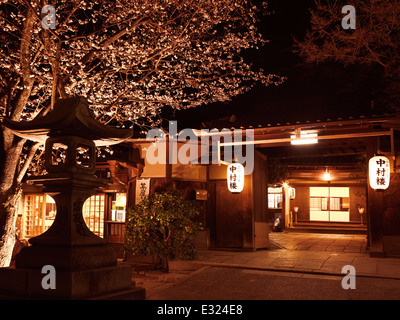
{"points": [[321, 183], [229, 220], [317, 175]]}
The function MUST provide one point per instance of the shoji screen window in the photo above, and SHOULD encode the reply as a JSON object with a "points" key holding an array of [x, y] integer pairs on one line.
{"points": [[329, 204]]}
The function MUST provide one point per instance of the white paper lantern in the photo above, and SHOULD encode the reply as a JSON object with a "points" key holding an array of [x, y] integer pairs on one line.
{"points": [[292, 193], [379, 172], [235, 177]]}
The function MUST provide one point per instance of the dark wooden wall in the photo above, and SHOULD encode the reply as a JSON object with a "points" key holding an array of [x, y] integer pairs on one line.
{"points": [[302, 201], [391, 217], [231, 217], [260, 188]]}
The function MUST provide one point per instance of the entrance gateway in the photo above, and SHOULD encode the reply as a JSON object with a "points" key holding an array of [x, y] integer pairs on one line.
{"points": [[340, 200]]}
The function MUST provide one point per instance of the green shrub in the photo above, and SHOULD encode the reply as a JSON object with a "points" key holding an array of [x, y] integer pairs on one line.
{"points": [[162, 224]]}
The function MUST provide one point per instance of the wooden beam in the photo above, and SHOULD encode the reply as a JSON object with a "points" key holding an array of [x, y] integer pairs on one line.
{"points": [[271, 142]]}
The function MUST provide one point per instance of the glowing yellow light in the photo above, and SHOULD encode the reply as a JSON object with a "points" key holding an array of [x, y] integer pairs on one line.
{"points": [[327, 175], [302, 138]]}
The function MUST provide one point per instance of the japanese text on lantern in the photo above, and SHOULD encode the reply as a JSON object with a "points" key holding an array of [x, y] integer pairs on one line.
{"points": [[235, 177], [379, 172]]}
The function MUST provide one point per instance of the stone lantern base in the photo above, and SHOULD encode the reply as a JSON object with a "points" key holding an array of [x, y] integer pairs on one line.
{"points": [[109, 283], [85, 266]]}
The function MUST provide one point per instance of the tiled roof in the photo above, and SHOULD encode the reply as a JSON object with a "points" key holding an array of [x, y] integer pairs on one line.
{"points": [[301, 111]]}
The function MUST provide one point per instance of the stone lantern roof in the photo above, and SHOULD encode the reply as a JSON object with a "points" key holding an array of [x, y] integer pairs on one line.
{"points": [[69, 117]]}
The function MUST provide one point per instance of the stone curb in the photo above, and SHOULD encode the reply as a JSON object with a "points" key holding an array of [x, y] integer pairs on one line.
{"points": [[295, 270]]}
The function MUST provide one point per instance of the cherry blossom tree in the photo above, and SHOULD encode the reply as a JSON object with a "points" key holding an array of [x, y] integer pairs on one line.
{"points": [[128, 58], [374, 44]]}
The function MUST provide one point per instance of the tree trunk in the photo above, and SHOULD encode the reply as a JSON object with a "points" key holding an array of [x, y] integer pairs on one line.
{"points": [[10, 151], [8, 217], [162, 264]]}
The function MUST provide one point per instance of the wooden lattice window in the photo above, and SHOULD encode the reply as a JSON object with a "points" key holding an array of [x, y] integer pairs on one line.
{"points": [[39, 214], [93, 213]]}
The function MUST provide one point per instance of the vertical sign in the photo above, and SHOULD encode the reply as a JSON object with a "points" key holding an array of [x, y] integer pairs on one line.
{"points": [[235, 177], [379, 172], [142, 189]]}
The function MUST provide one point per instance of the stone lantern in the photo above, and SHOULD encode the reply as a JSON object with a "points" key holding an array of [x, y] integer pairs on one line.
{"points": [[85, 266]]}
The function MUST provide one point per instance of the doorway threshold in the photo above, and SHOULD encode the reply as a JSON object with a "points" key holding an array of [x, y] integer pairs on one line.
{"points": [[230, 249], [328, 227]]}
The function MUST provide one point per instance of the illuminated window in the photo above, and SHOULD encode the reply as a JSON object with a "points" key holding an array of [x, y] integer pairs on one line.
{"points": [[115, 223], [319, 203], [118, 207], [274, 198], [39, 214], [93, 213], [324, 204], [329, 204], [335, 204], [315, 204]]}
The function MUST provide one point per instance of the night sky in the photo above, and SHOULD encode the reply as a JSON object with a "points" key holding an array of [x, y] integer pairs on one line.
{"points": [[310, 93]]}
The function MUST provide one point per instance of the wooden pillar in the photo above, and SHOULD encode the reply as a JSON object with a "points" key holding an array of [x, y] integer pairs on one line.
{"points": [[286, 223], [375, 209]]}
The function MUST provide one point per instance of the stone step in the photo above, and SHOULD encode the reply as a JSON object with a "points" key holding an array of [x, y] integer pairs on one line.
{"points": [[328, 227]]}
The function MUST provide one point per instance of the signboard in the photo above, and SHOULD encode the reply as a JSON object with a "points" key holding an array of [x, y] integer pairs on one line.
{"points": [[379, 172], [201, 194], [235, 177], [142, 190]]}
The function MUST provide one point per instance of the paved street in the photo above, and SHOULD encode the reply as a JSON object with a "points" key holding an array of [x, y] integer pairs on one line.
{"points": [[297, 266], [216, 283], [346, 243]]}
